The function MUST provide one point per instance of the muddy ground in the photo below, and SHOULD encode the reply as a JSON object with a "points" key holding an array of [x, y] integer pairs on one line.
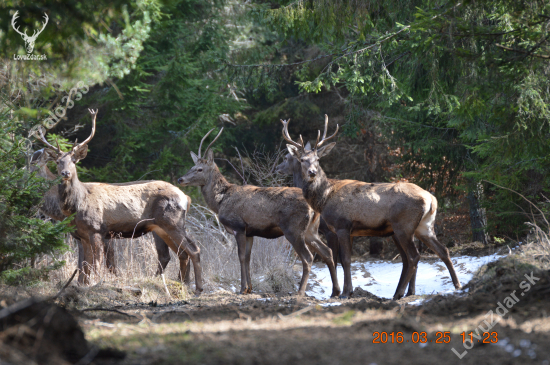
{"points": [[227, 328], [232, 329]]}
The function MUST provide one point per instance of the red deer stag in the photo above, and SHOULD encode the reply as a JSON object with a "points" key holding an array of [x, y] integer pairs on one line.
{"points": [[355, 208], [126, 210], [291, 166], [250, 211], [50, 208]]}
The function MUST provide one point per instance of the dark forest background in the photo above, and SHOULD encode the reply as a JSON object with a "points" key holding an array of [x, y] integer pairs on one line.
{"points": [[450, 95]]}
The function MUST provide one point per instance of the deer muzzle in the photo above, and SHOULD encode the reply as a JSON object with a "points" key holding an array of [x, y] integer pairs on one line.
{"points": [[311, 173], [65, 174]]}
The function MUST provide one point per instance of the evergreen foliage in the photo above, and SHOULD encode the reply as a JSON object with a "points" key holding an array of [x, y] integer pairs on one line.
{"points": [[23, 235], [462, 86]]}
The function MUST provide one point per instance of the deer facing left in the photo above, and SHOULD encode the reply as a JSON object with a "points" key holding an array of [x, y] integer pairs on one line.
{"points": [[50, 207], [128, 210]]}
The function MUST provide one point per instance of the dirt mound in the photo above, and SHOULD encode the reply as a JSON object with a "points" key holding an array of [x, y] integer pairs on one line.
{"points": [[513, 283], [34, 331]]}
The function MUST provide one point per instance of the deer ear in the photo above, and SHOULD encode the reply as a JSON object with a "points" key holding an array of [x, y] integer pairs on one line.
{"points": [[194, 157], [80, 153], [36, 156], [308, 146], [210, 156], [323, 151], [294, 151]]}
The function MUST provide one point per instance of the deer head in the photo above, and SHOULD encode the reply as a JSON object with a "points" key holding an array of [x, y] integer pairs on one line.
{"points": [[29, 41], [307, 156], [198, 175], [66, 161], [290, 165], [39, 162]]}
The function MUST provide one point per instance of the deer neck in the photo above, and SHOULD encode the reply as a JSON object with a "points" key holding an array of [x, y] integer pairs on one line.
{"points": [[45, 173], [72, 194], [317, 192], [215, 189], [298, 180]]}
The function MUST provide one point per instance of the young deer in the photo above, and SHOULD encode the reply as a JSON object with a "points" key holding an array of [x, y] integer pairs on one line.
{"points": [[251, 211], [354, 208], [125, 210], [50, 207]]}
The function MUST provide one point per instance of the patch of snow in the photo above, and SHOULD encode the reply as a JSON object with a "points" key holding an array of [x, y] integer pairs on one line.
{"points": [[417, 302], [333, 304], [380, 277]]}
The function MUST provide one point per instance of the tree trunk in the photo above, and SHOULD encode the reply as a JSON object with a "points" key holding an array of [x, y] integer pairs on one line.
{"points": [[478, 219]]}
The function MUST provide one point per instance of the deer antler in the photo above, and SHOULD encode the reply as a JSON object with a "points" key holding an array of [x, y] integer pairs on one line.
{"points": [[202, 140], [286, 136], [87, 140], [323, 140], [43, 139], [214, 140], [15, 16]]}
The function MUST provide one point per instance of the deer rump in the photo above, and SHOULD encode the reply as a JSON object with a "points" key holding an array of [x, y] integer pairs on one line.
{"points": [[387, 202], [127, 210]]}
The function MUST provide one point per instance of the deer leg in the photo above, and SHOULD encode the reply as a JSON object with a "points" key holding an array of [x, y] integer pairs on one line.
{"points": [[93, 257], [98, 249], [185, 268], [180, 243], [344, 241], [241, 248], [443, 253], [109, 250], [326, 255], [403, 255], [163, 254], [249, 242], [85, 251], [305, 256], [332, 241], [412, 256], [80, 250]]}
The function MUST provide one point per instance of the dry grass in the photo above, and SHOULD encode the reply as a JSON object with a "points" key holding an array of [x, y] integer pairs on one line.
{"points": [[537, 246], [136, 259]]}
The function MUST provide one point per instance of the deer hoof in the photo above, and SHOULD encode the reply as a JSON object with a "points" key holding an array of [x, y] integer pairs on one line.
{"points": [[397, 296], [335, 293]]}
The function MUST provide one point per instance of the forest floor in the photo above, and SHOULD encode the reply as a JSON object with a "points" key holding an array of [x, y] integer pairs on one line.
{"points": [[227, 328]]}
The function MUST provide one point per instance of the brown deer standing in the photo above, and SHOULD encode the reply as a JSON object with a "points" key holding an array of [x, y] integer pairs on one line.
{"points": [[291, 166], [250, 211], [127, 210], [354, 208], [50, 208]]}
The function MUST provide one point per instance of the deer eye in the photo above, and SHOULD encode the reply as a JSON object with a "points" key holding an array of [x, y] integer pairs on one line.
{"points": [[199, 169]]}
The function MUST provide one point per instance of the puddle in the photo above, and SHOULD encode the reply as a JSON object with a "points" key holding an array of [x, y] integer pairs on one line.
{"points": [[380, 277]]}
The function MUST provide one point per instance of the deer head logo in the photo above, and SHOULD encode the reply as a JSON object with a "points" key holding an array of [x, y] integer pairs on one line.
{"points": [[29, 41]]}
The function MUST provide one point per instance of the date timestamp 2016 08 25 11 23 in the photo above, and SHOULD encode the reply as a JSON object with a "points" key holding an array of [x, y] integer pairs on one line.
{"points": [[440, 337]]}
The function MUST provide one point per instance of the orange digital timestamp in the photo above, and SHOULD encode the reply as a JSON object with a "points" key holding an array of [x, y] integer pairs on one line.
{"points": [[440, 337]]}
